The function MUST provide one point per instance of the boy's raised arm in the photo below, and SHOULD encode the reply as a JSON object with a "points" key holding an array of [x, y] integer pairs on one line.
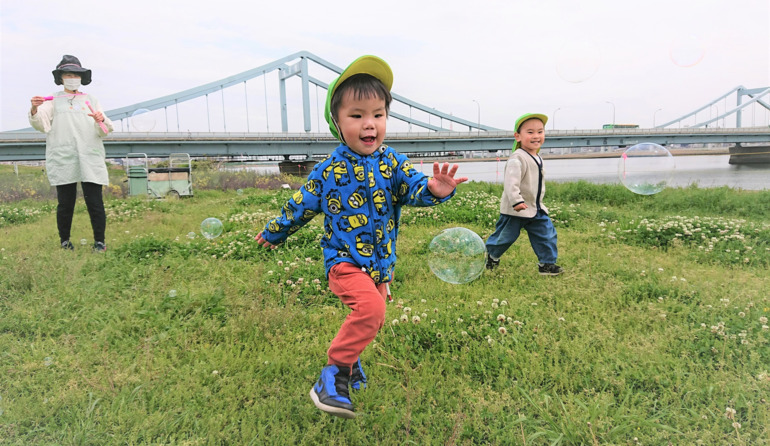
{"points": [[443, 182]]}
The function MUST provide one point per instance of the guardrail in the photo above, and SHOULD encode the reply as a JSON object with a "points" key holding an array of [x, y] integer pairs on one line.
{"points": [[21, 146]]}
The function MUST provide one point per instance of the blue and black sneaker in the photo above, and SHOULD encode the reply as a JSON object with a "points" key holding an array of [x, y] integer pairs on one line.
{"points": [[357, 376], [331, 393]]}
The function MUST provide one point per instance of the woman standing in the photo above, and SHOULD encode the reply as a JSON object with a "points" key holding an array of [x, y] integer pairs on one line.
{"points": [[74, 126]]}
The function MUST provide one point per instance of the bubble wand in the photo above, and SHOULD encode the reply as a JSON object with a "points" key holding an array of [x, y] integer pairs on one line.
{"points": [[101, 124], [51, 98]]}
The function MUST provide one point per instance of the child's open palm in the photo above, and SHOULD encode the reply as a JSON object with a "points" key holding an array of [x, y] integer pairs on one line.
{"points": [[444, 181]]}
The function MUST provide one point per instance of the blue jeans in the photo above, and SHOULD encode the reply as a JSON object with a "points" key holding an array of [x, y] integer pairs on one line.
{"points": [[542, 236]]}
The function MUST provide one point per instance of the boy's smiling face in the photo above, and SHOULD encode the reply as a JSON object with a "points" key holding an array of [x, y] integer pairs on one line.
{"points": [[362, 121], [531, 135]]}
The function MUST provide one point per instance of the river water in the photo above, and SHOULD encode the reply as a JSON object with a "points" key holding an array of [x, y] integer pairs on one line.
{"points": [[705, 171]]}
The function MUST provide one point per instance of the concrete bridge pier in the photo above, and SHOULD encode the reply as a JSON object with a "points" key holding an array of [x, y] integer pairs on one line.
{"points": [[750, 155], [296, 168]]}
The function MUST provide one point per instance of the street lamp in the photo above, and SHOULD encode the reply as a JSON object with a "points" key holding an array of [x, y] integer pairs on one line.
{"points": [[613, 112], [553, 119], [653, 116], [478, 116]]}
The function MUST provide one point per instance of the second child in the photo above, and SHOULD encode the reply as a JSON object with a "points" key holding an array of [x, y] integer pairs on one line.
{"points": [[521, 206]]}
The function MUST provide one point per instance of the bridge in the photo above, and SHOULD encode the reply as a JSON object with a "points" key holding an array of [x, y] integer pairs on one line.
{"points": [[434, 132]]}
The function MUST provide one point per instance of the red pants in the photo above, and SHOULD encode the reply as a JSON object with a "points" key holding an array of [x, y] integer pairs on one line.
{"points": [[367, 301]]}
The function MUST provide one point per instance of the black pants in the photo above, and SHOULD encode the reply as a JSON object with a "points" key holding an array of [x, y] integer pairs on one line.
{"points": [[92, 193]]}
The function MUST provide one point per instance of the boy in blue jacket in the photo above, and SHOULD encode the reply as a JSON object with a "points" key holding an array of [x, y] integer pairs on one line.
{"points": [[360, 188]]}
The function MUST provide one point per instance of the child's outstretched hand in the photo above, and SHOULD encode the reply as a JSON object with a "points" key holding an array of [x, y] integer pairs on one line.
{"points": [[444, 181], [263, 242]]}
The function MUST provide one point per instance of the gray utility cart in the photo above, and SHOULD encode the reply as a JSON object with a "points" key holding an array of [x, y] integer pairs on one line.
{"points": [[174, 180]]}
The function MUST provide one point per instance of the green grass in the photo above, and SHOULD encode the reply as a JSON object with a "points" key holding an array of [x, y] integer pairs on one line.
{"points": [[170, 340]]}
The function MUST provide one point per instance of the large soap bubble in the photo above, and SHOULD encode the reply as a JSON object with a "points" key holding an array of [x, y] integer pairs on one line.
{"points": [[211, 228], [457, 255], [646, 168]]}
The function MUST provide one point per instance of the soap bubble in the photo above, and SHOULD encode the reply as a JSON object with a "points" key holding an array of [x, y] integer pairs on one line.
{"points": [[142, 121], [83, 241], [191, 235], [646, 168], [171, 293], [48, 361], [239, 191], [578, 60], [457, 255], [211, 228], [686, 51]]}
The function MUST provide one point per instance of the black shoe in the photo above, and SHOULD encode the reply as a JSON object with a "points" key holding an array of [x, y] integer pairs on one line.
{"points": [[549, 269], [357, 376], [492, 263], [67, 245], [99, 247], [331, 393]]}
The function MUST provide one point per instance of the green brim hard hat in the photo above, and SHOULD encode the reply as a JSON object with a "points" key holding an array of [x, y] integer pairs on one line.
{"points": [[371, 65], [525, 117]]}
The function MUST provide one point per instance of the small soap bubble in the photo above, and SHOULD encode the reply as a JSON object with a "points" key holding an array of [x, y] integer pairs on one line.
{"points": [[142, 121], [578, 60], [83, 241], [646, 168], [171, 293], [191, 235], [686, 51], [211, 228], [239, 192], [457, 255], [48, 361]]}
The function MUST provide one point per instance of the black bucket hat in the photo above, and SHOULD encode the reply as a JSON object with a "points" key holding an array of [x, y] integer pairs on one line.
{"points": [[71, 64]]}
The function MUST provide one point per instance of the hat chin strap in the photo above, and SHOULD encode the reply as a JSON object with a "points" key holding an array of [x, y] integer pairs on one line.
{"points": [[339, 131]]}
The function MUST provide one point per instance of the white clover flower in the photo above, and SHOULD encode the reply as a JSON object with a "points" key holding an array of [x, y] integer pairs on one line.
{"points": [[561, 319], [495, 305], [763, 320], [501, 318], [496, 301], [464, 333], [518, 323], [730, 413], [424, 316], [415, 319], [394, 322], [479, 303], [502, 330], [404, 318], [503, 303], [407, 309]]}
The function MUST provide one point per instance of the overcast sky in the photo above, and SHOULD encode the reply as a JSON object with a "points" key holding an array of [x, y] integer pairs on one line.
{"points": [[591, 60]]}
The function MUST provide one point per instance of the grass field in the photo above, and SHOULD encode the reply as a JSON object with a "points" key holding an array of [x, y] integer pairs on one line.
{"points": [[656, 334]]}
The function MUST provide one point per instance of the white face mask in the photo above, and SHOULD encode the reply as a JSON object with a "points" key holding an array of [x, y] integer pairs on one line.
{"points": [[71, 84]]}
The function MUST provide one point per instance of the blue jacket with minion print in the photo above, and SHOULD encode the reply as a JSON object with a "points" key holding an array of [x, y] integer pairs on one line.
{"points": [[361, 198]]}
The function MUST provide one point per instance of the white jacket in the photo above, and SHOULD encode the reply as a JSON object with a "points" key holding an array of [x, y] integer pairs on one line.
{"points": [[74, 151], [523, 182]]}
